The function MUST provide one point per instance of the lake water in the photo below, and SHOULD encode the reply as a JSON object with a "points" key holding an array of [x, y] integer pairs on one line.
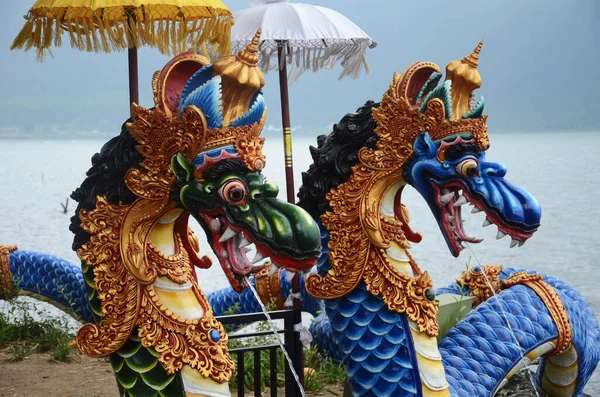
{"points": [[559, 169]]}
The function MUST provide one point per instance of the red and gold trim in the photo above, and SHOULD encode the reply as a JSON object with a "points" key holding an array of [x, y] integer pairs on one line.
{"points": [[7, 288], [479, 285]]}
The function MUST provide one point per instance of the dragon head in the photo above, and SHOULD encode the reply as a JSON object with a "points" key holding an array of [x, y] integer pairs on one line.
{"points": [[216, 171], [449, 167]]}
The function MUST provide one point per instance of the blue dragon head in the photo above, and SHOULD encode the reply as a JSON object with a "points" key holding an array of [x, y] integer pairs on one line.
{"points": [[448, 164]]}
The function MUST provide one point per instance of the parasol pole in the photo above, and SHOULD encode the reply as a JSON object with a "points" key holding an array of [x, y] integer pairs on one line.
{"points": [[289, 180], [134, 95], [285, 120], [132, 57]]}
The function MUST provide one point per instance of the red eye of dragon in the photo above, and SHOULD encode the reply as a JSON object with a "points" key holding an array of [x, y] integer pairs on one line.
{"points": [[233, 191], [468, 168]]}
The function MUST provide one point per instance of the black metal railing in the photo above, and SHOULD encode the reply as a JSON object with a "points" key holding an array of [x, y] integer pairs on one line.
{"points": [[291, 344]]}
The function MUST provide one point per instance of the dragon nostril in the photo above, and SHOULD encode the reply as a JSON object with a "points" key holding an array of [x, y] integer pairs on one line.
{"points": [[490, 173], [256, 194]]}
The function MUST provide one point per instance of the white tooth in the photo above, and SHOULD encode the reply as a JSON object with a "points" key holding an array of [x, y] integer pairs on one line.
{"points": [[521, 243], [452, 228], [224, 254], [229, 233], [445, 199], [486, 222], [500, 234], [246, 249], [244, 242], [273, 269], [258, 257], [513, 243], [449, 218], [461, 201], [215, 225], [475, 210]]}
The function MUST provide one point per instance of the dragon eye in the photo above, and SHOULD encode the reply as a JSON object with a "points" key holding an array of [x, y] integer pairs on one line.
{"points": [[468, 168], [233, 191]]}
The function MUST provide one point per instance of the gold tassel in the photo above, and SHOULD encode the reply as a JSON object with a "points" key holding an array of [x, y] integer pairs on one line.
{"points": [[24, 35], [102, 34], [48, 33], [37, 34], [71, 35], [173, 43], [87, 32], [58, 30], [151, 31], [95, 39], [141, 29], [109, 34], [182, 36], [132, 33]]}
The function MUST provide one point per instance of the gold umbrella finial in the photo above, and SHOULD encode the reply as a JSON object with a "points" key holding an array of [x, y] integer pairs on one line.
{"points": [[465, 79], [249, 55]]}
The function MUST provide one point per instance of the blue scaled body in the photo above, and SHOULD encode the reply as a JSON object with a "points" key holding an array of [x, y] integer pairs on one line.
{"points": [[52, 279], [374, 343]]}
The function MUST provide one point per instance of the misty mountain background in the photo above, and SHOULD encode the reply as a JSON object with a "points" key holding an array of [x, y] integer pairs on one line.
{"points": [[539, 65]]}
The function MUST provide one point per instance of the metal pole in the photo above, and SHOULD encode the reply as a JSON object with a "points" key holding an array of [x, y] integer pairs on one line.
{"points": [[133, 76], [289, 179]]}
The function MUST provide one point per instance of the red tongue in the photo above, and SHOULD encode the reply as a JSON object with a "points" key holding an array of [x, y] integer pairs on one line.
{"points": [[237, 258]]}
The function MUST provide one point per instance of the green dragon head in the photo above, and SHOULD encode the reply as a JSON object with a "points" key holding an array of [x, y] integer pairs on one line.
{"points": [[222, 185]]}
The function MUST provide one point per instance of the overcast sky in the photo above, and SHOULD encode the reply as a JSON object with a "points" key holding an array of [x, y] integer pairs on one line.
{"points": [[540, 67]]}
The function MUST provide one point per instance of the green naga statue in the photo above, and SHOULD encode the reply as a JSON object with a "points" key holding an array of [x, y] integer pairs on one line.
{"points": [[199, 153]]}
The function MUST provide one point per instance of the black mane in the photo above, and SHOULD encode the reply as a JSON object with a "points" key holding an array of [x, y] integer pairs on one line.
{"points": [[106, 177], [334, 157]]}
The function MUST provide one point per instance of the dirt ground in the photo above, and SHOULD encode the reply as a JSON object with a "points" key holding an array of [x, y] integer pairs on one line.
{"points": [[40, 376]]}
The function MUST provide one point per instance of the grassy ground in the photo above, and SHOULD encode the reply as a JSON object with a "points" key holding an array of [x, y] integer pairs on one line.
{"points": [[31, 346], [22, 334]]}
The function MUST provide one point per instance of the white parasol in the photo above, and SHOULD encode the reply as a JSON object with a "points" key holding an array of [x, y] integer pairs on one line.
{"points": [[307, 37], [316, 37]]}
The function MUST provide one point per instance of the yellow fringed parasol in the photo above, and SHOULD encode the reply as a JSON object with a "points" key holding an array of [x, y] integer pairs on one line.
{"points": [[172, 26]]}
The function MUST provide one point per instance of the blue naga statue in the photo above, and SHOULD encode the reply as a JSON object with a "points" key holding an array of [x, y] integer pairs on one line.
{"points": [[378, 310]]}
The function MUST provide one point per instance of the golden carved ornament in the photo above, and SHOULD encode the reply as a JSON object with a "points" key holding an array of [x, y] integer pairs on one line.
{"points": [[183, 341], [128, 300], [553, 303], [357, 231], [250, 150], [116, 288], [240, 80], [477, 283], [7, 289], [358, 236], [269, 288], [218, 137], [160, 137], [465, 79], [176, 268]]}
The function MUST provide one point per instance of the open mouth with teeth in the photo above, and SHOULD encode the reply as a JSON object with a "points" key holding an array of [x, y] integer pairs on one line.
{"points": [[451, 198], [233, 247]]}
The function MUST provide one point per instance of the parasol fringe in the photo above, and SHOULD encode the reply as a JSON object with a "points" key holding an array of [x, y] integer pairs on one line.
{"points": [[87, 35], [104, 32], [57, 33], [303, 56]]}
